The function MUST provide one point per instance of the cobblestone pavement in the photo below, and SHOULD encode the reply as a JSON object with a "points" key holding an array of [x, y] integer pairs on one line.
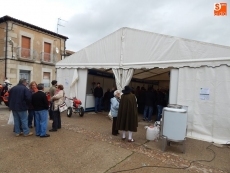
{"points": [[85, 144]]}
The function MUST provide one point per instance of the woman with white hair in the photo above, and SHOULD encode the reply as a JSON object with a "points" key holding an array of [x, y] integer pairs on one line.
{"points": [[114, 110]]}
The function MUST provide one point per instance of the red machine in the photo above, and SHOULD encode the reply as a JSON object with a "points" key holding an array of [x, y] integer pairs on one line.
{"points": [[75, 108], [76, 102], [4, 88], [4, 98]]}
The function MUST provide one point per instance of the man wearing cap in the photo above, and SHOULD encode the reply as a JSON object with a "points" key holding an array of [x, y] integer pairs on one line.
{"points": [[98, 94], [52, 92]]}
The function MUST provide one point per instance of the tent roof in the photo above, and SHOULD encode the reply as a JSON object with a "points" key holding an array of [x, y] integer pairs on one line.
{"points": [[130, 48]]}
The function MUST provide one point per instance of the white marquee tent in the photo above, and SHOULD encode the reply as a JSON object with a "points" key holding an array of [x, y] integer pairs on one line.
{"points": [[200, 74]]}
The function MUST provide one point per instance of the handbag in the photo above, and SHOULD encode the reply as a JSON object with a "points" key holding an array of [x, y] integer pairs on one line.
{"points": [[62, 107], [11, 118], [110, 115]]}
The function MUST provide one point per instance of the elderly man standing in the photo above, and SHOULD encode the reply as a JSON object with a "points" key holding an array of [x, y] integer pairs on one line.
{"points": [[19, 99]]}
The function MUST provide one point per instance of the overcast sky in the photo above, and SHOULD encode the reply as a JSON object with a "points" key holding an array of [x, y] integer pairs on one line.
{"points": [[86, 21]]}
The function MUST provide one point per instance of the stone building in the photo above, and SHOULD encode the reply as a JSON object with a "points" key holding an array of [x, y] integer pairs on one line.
{"points": [[28, 51]]}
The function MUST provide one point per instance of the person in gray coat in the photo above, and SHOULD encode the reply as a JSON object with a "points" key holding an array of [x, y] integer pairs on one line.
{"points": [[114, 110]]}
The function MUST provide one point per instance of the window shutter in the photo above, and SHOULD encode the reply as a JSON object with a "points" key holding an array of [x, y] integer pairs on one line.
{"points": [[47, 51], [25, 49]]}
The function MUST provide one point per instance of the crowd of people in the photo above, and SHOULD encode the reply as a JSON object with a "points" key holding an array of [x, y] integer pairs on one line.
{"points": [[124, 106], [31, 107], [29, 103], [149, 101]]}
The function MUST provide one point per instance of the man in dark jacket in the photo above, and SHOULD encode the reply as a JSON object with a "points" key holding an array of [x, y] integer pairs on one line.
{"points": [[111, 95], [98, 94], [160, 104], [149, 102], [106, 100], [19, 99], [41, 105], [141, 100]]}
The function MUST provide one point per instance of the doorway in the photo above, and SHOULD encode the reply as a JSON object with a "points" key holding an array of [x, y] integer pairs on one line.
{"points": [[25, 74]]}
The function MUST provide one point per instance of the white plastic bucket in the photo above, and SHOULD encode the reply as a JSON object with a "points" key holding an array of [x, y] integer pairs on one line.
{"points": [[152, 132]]}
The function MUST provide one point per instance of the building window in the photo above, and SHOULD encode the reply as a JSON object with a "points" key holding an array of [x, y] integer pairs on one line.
{"points": [[46, 79], [47, 52], [25, 49], [25, 74]]}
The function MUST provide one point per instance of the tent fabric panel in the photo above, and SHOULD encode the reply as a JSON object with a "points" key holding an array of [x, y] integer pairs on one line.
{"points": [[148, 65], [104, 51], [73, 84], [208, 120], [143, 46], [122, 77], [178, 64], [65, 77], [130, 48]]}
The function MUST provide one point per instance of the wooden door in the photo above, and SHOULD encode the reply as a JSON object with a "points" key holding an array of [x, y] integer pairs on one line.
{"points": [[47, 51], [25, 49]]}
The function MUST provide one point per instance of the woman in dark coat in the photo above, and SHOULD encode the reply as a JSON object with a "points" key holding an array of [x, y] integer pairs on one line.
{"points": [[127, 118]]}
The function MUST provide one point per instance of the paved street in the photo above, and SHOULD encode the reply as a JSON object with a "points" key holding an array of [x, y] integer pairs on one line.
{"points": [[85, 145]]}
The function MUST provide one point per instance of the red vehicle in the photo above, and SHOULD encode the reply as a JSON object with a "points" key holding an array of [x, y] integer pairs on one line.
{"points": [[75, 108]]}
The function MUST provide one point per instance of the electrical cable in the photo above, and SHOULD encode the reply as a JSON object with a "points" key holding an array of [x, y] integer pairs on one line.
{"points": [[227, 143], [168, 167]]}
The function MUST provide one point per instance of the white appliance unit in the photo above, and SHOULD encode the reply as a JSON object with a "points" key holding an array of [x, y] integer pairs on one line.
{"points": [[174, 126]]}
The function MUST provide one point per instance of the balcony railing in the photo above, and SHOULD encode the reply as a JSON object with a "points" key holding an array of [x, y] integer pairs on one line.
{"points": [[32, 55], [47, 58], [26, 54]]}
